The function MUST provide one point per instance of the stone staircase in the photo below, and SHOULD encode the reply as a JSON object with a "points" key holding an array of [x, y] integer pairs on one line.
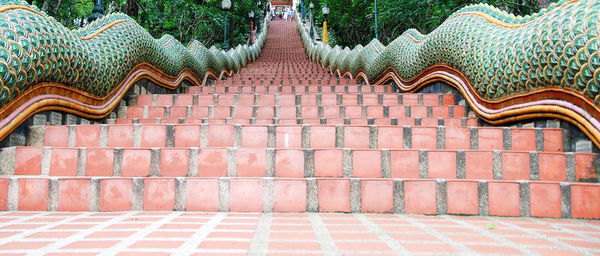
{"points": [[284, 135]]}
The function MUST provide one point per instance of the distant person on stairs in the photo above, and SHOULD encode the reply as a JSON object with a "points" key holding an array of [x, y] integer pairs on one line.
{"points": [[272, 13], [285, 14]]}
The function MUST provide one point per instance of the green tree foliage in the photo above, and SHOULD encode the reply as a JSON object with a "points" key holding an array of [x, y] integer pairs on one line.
{"points": [[186, 20], [352, 21], [71, 13]]}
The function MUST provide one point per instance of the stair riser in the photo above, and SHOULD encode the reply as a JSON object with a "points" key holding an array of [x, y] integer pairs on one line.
{"points": [[293, 111], [447, 122], [497, 198], [287, 80], [294, 163], [275, 89], [291, 80], [355, 137], [324, 99]]}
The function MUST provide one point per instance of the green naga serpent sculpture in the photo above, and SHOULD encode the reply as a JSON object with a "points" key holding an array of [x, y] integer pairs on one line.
{"points": [[508, 67], [46, 66]]}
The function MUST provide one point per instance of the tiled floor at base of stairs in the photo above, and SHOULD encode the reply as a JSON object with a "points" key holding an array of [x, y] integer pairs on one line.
{"points": [[198, 233]]}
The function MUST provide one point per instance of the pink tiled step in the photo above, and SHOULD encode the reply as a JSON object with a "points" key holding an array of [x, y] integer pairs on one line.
{"points": [[307, 121], [420, 196], [299, 98], [299, 163], [331, 136]]}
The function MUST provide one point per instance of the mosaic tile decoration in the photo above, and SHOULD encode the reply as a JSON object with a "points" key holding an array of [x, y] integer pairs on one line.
{"points": [[499, 61], [91, 63]]}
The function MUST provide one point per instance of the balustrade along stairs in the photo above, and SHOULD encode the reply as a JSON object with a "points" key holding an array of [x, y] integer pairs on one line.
{"points": [[285, 135]]}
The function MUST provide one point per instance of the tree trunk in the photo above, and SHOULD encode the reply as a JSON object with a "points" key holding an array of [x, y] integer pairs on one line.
{"points": [[543, 3], [46, 6], [57, 10], [180, 28], [132, 8], [231, 31]]}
